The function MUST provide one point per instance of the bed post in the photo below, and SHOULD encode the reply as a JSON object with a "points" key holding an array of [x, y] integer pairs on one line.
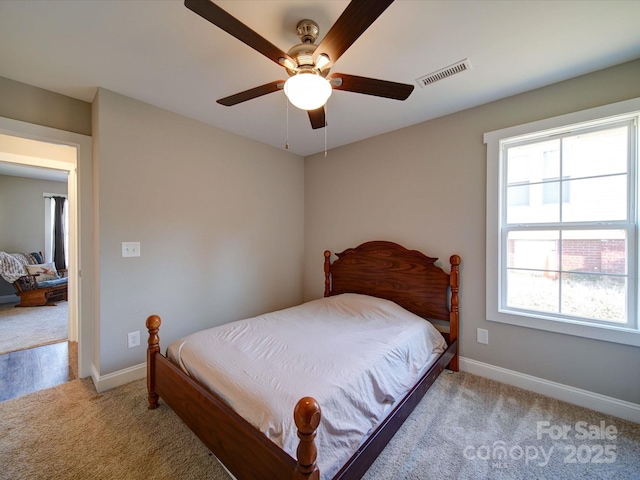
{"points": [[454, 315], [327, 266], [153, 325], [307, 417]]}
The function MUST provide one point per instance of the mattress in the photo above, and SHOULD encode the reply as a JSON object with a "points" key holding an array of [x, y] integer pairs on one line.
{"points": [[355, 354]]}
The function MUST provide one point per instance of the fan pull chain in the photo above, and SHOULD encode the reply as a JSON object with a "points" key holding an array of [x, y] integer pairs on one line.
{"points": [[286, 143], [325, 130]]}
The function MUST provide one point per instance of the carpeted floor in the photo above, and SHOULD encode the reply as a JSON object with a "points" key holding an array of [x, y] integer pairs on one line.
{"points": [[70, 432], [466, 427], [28, 327], [483, 429]]}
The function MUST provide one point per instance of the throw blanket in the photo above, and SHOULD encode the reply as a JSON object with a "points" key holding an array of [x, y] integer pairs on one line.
{"points": [[12, 265]]}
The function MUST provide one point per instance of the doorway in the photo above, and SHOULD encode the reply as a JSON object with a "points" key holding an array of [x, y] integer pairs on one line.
{"points": [[38, 348], [28, 145]]}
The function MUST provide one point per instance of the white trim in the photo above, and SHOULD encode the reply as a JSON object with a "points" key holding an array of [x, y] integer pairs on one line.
{"points": [[583, 398], [48, 237], [597, 332], [116, 379]]}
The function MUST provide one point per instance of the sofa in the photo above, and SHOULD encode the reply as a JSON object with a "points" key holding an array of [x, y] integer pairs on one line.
{"points": [[36, 283]]}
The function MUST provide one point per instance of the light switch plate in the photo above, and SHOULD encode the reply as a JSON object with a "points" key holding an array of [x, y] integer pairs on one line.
{"points": [[130, 249]]}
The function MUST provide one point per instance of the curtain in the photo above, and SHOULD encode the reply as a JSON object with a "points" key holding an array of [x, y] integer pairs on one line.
{"points": [[58, 234]]}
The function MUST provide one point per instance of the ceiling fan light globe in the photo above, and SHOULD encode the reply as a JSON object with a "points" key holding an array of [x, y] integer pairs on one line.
{"points": [[307, 91]]}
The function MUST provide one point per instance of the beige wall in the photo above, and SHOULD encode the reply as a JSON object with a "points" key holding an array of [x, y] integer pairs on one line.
{"points": [[26, 103], [220, 219], [22, 216], [230, 227], [425, 187], [22, 212]]}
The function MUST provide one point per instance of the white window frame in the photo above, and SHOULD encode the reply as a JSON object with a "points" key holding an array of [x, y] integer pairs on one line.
{"points": [[628, 335]]}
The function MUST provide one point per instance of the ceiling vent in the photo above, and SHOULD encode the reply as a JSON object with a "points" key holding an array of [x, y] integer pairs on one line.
{"points": [[443, 73]]}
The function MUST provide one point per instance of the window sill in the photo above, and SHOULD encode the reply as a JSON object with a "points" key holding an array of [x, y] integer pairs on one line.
{"points": [[605, 333]]}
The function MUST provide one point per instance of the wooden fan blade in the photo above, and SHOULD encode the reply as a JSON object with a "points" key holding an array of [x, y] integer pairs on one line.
{"points": [[251, 93], [353, 22], [216, 15], [317, 118], [372, 86]]}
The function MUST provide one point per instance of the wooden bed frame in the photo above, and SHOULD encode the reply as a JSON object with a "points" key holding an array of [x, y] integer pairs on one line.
{"points": [[381, 269]]}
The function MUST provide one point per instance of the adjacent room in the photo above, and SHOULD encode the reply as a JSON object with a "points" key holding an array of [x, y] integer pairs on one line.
{"points": [[36, 351], [425, 267]]}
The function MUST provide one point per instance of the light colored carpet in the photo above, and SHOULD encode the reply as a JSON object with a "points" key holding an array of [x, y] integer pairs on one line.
{"points": [[468, 427], [71, 432], [28, 327]]}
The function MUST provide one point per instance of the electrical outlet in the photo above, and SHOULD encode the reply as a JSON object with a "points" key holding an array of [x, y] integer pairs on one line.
{"points": [[133, 339], [130, 249], [483, 336]]}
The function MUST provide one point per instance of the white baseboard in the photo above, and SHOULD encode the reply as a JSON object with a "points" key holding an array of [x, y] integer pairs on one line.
{"points": [[584, 398], [116, 379]]}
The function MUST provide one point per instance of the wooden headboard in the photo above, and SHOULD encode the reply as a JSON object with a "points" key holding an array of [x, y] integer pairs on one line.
{"points": [[406, 277]]}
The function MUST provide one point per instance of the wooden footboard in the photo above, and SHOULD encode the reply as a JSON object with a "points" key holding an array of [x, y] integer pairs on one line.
{"points": [[241, 447]]}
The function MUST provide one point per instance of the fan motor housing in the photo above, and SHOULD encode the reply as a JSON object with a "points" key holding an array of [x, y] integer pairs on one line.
{"points": [[302, 53], [303, 56]]}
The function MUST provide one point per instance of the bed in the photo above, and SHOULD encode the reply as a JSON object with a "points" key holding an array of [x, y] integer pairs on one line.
{"points": [[384, 276]]}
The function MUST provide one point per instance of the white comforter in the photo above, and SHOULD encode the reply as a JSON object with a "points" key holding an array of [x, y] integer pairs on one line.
{"points": [[354, 354]]}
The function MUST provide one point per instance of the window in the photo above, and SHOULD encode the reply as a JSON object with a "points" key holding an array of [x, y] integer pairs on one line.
{"points": [[561, 224]]}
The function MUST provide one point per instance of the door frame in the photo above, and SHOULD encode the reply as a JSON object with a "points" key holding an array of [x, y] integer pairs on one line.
{"points": [[79, 168]]}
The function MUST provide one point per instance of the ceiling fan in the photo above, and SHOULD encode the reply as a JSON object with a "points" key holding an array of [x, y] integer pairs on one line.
{"points": [[308, 62]]}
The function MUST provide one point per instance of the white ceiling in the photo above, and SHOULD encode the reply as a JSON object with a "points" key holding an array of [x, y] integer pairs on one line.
{"points": [[17, 170], [159, 52]]}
